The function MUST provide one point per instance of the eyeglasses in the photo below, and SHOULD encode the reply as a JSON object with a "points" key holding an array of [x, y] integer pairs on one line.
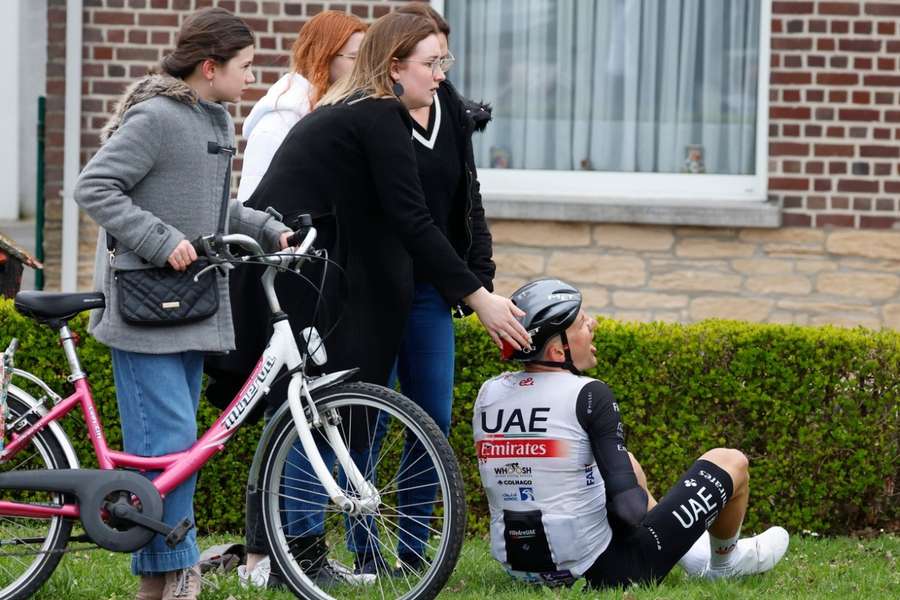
{"points": [[444, 63]]}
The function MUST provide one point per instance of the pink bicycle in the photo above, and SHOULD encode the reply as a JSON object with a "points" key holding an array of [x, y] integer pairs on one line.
{"points": [[315, 473]]}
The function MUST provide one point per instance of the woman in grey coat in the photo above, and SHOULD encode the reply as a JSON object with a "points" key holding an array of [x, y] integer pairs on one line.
{"points": [[153, 186]]}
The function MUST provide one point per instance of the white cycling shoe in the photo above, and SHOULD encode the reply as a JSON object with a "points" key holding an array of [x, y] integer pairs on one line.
{"points": [[757, 554]]}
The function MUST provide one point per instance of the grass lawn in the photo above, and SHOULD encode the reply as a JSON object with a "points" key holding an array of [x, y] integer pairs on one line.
{"points": [[845, 568]]}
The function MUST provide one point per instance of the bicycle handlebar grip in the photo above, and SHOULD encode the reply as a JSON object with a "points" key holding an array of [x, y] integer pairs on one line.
{"points": [[296, 238], [199, 246]]}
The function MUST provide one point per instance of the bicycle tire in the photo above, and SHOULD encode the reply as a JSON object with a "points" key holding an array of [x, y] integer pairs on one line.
{"points": [[448, 520], [48, 537]]}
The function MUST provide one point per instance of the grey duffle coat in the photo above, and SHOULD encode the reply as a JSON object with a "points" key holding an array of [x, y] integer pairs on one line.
{"points": [[152, 184]]}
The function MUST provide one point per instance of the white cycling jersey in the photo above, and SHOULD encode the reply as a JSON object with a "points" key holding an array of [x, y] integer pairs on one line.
{"points": [[546, 496]]}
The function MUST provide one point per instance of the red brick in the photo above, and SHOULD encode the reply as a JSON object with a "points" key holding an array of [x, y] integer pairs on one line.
{"points": [[248, 7], [137, 36], [159, 4], [884, 204], [134, 53], [840, 27], [795, 26], [862, 27], [791, 43], [91, 70], [281, 26], [886, 64], [791, 166], [863, 203], [886, 28], [822, 185], [788, 149], [869, 222], [838, 8], [792, 8], [160, 38], [846, 45], [137, 3], [886, 80], [837, 96], [815, 167], [791, 78], [793, 61], [862, 98], [114, 88], [859, 132], [795, 220], [835, 132], [789, 112], [112, 18], [158, 20], [840, 203], [880, 133], [818, 26], [858, 185], [792, 202], [837, 78], [893, 46], [816, 202], [271, 8], [825, 45], [360, 10], [858, 114], [892, 187], [834, 220], [862, 63], [833, 150], [115, 36], [791, 95], [788, 183], [892, 116], [882, 168], [838, 62], [880, 151], [103, 53], [775, 61], [837, 168], [883, 9], [815, 95], [824, 114]]}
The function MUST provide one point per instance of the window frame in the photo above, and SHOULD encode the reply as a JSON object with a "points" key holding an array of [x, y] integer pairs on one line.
{"points": [[534, 187]]}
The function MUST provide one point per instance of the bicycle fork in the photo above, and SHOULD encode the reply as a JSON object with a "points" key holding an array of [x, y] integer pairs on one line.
{"points": [[368, 498]]}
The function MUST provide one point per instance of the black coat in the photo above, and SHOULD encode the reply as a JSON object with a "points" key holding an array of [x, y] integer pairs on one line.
{"points": [[352, 167]]}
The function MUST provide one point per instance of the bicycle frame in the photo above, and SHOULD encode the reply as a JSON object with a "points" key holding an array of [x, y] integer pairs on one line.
{"points": [[175, 468]]}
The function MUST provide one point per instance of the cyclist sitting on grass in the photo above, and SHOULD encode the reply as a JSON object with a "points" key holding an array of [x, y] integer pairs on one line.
{"points": [[568, 500]]}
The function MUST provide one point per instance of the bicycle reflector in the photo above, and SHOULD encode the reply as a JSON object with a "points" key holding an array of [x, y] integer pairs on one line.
{"points": [[315, 347]]}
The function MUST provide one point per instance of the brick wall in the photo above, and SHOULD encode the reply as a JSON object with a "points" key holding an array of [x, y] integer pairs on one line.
{"points": [[122, 40], [834, 139]]}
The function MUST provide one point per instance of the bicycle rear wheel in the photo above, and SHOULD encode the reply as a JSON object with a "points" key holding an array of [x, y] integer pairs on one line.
{"points": [[408, 546], [30, 548]]}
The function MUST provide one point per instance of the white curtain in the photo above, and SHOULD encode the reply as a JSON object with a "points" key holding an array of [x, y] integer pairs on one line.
{"points": [[611, 85]]}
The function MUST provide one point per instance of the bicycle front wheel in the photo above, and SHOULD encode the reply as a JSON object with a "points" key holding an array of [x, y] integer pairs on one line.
{"points": [[30, 548], [408, 545]]}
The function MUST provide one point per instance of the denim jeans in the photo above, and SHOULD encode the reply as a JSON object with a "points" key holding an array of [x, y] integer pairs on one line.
{"points": [[158, 395], [425, 371]]}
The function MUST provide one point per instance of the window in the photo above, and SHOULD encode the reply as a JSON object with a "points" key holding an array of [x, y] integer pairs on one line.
{"points": [[654, 99]]}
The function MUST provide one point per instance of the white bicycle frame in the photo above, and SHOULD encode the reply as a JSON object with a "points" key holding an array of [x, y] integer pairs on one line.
{"points": [[282, 351]]}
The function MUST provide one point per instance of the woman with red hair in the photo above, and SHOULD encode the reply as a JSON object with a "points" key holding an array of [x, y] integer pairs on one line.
{"points": [[323, 52]]}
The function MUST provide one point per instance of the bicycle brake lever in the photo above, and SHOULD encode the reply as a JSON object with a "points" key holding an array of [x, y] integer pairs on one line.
{"points": [[212, 267]]}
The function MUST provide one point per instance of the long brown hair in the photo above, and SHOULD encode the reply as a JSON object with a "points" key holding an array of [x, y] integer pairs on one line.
{"points": [[392, 36], [426, 10], [210, 33], [318, 43]]}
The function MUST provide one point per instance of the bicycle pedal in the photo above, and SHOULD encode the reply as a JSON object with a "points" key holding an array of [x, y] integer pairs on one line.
{"points": [[179, 532]]}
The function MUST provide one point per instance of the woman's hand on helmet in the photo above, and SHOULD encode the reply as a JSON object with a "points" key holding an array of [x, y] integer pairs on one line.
{"points": [[500, 317]]}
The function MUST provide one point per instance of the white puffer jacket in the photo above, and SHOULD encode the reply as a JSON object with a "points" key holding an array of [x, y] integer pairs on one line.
{"points": [[286, 102]]}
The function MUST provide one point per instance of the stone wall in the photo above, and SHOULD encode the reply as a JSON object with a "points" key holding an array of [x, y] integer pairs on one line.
{"points": [[791, 275]]}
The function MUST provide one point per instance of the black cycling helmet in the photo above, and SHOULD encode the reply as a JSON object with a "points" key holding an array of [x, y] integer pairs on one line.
{"points": [[550, 306]]}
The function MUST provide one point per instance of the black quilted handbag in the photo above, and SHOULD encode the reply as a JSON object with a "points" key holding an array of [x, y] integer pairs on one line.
{"points": [[164, 296]]}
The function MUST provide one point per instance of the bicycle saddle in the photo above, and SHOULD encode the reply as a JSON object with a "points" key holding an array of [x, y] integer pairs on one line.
{"points": [[44, 306]]}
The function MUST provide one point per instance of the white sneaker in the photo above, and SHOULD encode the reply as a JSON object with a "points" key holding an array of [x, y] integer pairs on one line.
{"points": [[333, 572], [258, 576], [757, 554]]}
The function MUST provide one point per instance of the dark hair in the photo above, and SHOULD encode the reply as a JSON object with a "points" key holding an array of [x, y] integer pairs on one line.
{"points": [[425, 10], [210, 33]]}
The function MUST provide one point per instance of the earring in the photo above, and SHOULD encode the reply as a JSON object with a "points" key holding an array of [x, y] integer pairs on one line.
{"points": [[397, 88], [210, 83]]}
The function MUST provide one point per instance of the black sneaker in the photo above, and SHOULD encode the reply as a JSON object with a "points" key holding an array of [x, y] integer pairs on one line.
{"points": [[371, 564]]}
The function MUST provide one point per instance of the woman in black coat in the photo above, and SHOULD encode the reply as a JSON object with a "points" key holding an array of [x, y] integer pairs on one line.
{"points": [[351, 165]]}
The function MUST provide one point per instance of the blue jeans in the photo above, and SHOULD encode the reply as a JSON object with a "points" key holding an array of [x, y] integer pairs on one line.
{"points": [[158, 395], [425, 370]]}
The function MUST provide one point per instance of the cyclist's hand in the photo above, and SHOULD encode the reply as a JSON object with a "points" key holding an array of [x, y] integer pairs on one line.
{"points": [[182, 256], [283, 241], [498, 315]]}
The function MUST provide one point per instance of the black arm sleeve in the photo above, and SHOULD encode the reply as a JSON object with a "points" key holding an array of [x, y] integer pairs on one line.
{"points": [[598, 415]]}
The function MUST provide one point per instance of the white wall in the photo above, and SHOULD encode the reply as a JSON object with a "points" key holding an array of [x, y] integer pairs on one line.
{"points": [[23, 46], [32, 84]]}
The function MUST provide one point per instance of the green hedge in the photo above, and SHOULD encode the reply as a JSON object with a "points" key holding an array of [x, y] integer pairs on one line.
{"points": [[815, 409]]}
